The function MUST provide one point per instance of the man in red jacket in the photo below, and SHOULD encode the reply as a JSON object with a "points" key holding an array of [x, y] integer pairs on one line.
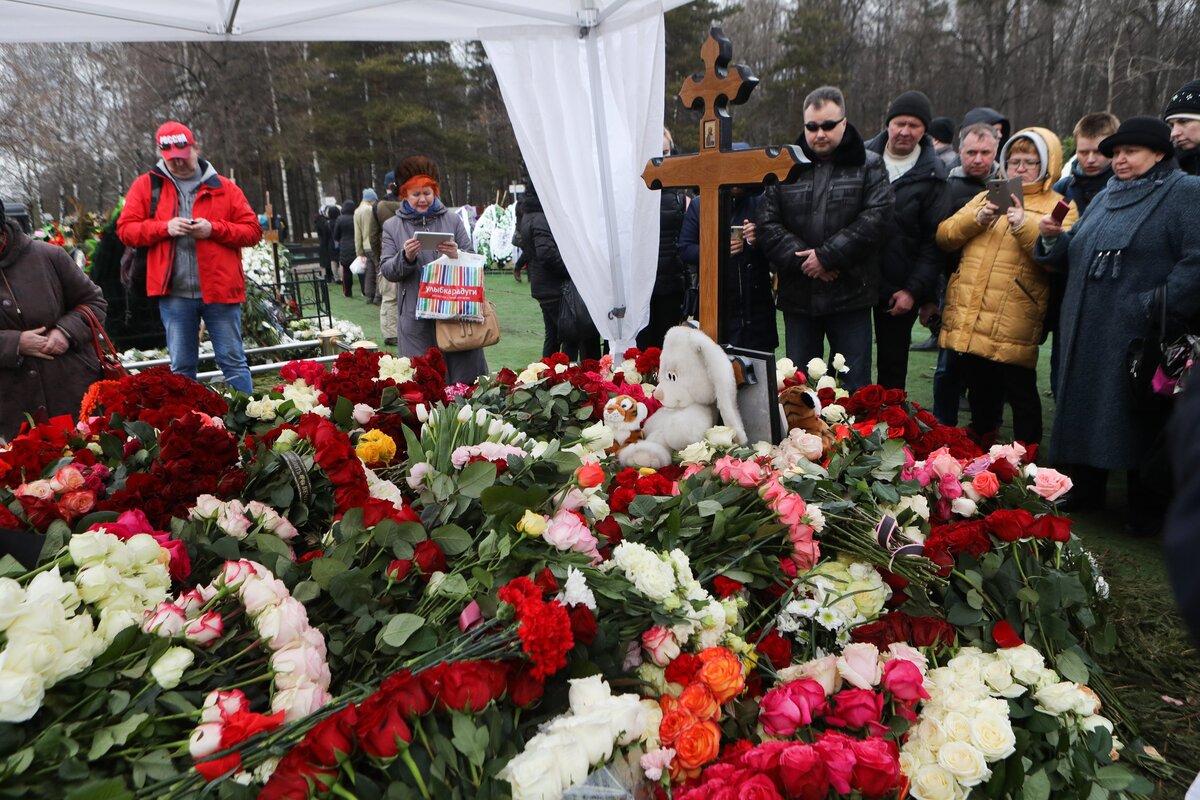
{"points": [[193, 224]]}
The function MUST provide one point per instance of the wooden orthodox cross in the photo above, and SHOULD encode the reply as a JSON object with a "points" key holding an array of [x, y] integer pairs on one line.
{"points": [[717, 166]]}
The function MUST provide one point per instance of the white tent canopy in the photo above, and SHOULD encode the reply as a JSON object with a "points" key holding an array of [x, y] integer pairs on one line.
{"points": [[582, 81]]}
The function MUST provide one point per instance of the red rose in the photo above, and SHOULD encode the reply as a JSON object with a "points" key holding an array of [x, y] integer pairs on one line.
{"points": [[928, 631], [870, 396], [213, 769], [725, 587], [1010, 524], [10, 520], [399, 569], [682, 669], [1051, 527], [856, 708], [826, 396], [180, 565], [471, 685], [904, 680], [407, 693], [545, 581], [523, 689], [332, 738], [876, 767], [1005, 635], [875, 633], [610, 529], [74, 505], [381, 728], [803, 773], [777, 650], [429, 557], [765, 759], [1003, 469], [583, 624], [894, 416]]}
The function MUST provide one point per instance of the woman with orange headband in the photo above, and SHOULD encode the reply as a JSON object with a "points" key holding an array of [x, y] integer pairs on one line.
{"points": [[421, 209]]}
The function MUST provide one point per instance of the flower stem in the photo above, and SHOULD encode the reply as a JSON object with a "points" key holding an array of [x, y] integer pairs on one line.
{"points": [[407, 758]]}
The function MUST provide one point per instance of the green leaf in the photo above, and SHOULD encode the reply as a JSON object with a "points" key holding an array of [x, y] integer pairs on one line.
{"points": [[452, 539], [118, 701], [269, 543], [226, 547], [1071, 666], [56, 539], [306, 591], [1115, 778], [454, 586], [324, 570], [343, 412], [11, 568], [1027, 594], [177, 702], [113, 735], [963, 616], [475, 478], [399, 628], [110, 789], [1037, 786], [974, 599]]}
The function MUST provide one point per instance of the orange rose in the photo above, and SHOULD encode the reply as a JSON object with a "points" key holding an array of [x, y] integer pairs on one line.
{"points": [[697, 699], [590, 475], [697, 744], [672, 723], [721, 672], [986, 483]]}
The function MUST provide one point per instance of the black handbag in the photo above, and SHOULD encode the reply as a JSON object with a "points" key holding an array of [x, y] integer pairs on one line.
{"points": [[574, 320], [1160, 361]]}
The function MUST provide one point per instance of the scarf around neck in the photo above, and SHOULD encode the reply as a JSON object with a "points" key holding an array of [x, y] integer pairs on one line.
{"points": [[1128, 205]]}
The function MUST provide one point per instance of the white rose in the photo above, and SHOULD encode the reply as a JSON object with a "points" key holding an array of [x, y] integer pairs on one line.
{"points": [[589, 731], [21, 695], [300, 700], [143, 549], [839, 363], [963, 506], [588, 692], [833, 413], [598, 437], [11, 597], [89, 548], [362, 413], [286, 440], [697, 453], [933, 782], [964, 762], [322, 411], [955, 724], [993, 735], [627, 719], [169, 668], [1057, 698], [533, 775], [205, 739], [1026, 663], [827, 382], [207, 506], [998, 677], [1090, 724], [816, 368], [97, 582], [720, 436], [113, 621]]}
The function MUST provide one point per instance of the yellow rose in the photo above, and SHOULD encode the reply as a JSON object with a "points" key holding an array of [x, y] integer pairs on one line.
{"points": [[375, 447], [532, 523]]}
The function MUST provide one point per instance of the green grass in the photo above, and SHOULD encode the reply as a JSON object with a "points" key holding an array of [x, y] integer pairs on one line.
{"points": [[1156, 662]]}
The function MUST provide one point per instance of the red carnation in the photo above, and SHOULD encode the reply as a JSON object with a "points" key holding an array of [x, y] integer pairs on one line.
{"points": [[725, 587]]}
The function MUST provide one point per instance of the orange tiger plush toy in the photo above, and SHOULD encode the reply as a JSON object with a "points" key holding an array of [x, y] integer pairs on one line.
{"points": [[624, 415], [802, 409]]}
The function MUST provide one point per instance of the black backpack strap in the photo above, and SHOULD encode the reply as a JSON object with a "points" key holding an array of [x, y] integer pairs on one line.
{"points": [[156, 184]]}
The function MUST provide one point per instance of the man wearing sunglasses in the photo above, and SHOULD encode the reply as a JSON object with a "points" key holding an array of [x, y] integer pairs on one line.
{"points": [[822, 234], [193, 224]]}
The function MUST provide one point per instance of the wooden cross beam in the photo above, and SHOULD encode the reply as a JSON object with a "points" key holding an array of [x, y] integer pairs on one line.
{"points": [[717, 167]]}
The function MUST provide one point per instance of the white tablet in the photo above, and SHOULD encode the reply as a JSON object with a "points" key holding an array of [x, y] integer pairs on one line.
{"points": [[431, 239]]}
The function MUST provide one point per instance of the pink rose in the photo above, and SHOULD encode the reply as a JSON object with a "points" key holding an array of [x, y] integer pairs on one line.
{"points": [[234, 573], [785, 708], [803, 773], [723, 468], [857, 708], [567, 531], [904, 680], [1013, 453], [67, 479], [691, 470], [167, 620], [219, 705], [76, 504], [949, 488], [233, 521], [660, 644], [299, 701], [282, 625], [132, 523], [261, 593], [295, 665], [195, 599], [315, 639], [942, 463], [772, 490], [1050, 483], [921, 473], [747, 474], [859, 665], [986, 483], [907, 652], [805, 554], [790, 508], [362, 413], [38, 490], [837, 752], [206, 629], [416, 474]]}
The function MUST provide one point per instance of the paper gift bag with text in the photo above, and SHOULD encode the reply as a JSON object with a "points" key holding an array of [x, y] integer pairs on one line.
{"points": [[452, 288]]}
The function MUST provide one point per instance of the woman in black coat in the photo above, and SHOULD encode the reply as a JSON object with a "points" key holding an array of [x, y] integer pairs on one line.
{"points": [[325, 240], [343, 240]]}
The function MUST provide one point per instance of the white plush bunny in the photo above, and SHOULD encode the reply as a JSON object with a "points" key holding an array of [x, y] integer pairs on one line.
{"points": [[695, 381]]}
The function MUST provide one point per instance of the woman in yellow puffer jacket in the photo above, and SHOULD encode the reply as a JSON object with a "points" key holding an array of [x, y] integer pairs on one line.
{"points": [[996, 302]]}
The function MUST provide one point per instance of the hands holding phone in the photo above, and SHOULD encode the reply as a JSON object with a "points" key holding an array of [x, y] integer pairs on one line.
{"points": [[195, 228]]}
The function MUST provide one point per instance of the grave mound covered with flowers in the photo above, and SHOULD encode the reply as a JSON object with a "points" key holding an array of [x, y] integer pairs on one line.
{"points": [[366, 584]]}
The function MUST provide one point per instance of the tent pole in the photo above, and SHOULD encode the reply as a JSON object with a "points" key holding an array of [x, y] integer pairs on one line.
{"points": [[600, 124]]}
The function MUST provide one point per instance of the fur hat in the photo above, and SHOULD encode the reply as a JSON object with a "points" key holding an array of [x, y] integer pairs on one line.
{"points": [[413, 166]]}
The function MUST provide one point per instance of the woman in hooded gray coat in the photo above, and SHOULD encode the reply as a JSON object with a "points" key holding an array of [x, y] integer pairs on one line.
{"points": [[421, 209], [1138, 234]]}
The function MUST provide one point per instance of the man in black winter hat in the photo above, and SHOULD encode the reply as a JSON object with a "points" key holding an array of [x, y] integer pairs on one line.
{"points": [[1183, 115], [912, 261]]}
